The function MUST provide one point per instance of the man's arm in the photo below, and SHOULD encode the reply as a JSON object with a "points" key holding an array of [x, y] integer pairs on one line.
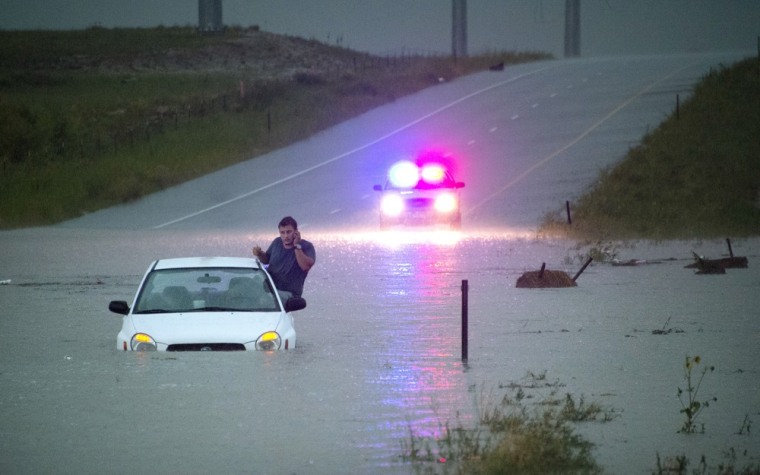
{"points": [[263, 257], [305, 261]]}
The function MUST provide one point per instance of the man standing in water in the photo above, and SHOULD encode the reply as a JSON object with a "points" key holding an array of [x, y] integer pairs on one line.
{"points": [[289, 258]]}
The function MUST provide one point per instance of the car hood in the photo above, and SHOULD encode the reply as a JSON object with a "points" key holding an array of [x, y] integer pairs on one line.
{"points": [[206, 327]]}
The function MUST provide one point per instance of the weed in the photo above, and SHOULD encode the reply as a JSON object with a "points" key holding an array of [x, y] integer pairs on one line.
{"points": [[583, 411], [678, 465], [602, 252], [746, 427], [599, 251], [455, 443], [513, 436], [675, 465], [692, 408], [666, 330]]}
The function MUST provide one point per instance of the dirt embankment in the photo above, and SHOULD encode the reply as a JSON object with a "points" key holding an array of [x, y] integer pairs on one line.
{"points": [[251, 52]]}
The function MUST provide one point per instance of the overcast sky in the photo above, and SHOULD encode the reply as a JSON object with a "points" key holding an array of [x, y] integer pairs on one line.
{"points": [[608, 27]]}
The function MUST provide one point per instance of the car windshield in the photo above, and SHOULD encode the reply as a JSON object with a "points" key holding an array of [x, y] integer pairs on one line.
{"points": [[444, 182], [206, 289]]}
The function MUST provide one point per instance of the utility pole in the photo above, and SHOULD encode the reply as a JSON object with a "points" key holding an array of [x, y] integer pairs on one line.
{"points": [[210, 16], [459, 28], [572, 28]]}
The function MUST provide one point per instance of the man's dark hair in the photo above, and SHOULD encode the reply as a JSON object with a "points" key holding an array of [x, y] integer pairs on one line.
{"points": [[288, 221]]}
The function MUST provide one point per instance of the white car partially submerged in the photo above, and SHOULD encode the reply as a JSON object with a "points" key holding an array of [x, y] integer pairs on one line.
{"points": [[207, 304]]}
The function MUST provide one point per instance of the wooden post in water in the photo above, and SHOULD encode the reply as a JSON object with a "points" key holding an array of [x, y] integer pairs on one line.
{"points": [[464, 320], [583, 268]]}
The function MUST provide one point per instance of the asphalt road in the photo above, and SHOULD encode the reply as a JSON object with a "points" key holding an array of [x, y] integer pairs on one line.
{"points": [[524, 140]]}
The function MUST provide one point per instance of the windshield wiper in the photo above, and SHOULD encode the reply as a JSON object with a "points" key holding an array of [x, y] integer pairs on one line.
{"points": [[213, 309], [199, 309]]}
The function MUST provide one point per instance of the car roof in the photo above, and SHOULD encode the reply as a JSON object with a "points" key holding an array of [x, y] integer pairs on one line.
{"points": [[200, 262]]}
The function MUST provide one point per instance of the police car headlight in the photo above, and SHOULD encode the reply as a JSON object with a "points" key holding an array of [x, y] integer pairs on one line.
{"points": [[392, 205], [446, 203]]}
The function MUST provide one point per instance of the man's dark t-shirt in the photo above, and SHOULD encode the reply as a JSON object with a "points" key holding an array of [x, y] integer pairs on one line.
{"points": [[284, 268]]}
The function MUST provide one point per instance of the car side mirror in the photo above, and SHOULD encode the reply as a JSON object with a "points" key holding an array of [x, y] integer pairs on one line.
{"points": [[119, 306], [377, 188], [295, 303]]}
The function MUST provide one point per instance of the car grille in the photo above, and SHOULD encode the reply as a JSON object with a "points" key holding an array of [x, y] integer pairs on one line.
{"points": [[419, 203], [207, 347]]}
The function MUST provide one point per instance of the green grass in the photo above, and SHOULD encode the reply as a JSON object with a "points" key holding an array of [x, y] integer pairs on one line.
{"points": [[697, 175], [75, 139]]}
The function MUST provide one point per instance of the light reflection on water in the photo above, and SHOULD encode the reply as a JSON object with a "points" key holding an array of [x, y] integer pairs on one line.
{"points": [[422, 384], [404, 288]]}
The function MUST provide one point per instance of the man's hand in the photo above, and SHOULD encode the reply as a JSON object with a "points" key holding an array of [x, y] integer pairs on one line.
{"points": [[257, 252]]}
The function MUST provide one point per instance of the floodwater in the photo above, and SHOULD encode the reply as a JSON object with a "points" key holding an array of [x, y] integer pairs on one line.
{"points": [[379, 354]]}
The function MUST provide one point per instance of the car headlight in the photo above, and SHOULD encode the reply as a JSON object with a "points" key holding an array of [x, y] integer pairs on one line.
{"points": [[392, 205], [446, 203], [268, 341], [142, 342]]}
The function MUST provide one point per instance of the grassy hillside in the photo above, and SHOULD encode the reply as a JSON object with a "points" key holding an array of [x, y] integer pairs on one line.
{"points": [[696, 175], [93, 118]]}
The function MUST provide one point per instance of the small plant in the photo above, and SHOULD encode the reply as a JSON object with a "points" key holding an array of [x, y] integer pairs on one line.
{"points": [[583, 411], [666, 330], [602, 252], [692, 407], [676, 465], [679, 465], [453, 443], [521, 432], [746, 427]]}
